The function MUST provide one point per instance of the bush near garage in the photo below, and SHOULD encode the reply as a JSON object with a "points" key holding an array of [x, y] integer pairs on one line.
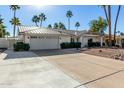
{"points": [[66, 45], [20, 46]]}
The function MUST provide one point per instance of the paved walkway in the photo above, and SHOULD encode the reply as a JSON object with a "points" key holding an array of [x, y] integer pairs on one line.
{"points": [[26, 69]]}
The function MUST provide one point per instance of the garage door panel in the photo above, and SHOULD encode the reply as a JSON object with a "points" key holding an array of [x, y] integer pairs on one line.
{"points": [[44, 43]]}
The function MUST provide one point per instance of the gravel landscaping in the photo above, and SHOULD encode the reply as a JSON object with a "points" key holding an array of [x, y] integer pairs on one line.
{"points": [[113, 53]]}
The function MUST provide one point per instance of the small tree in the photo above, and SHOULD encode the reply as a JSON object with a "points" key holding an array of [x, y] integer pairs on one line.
{"points": [[99, 26], [49, 26]]}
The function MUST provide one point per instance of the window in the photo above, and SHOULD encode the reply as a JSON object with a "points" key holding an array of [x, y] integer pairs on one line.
{"points": [[33, 36], [77, 39], [72, 39]]}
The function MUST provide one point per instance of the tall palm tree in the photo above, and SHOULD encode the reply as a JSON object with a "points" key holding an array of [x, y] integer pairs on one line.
{"points": [[105, 11], [77, 25], [69, 15], [116, 20], [108, 18], [15, 21], [14, 8], [42, 17], [35, 19], [109, 24]]}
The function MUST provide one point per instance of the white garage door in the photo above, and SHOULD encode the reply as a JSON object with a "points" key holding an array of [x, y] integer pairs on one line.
{"points": [[47, 42]]}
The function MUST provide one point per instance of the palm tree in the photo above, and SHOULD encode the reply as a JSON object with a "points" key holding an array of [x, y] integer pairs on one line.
{"points": [[14, 8], [108, 18], [109, 24], [77, 24], [69, 15], [1, 20], [55, 26], [42, 17], [49, 26], [35, 19], [61, 26], [118, 12], [2, 27], [15, 21], [121, 33], [2, 30], [7, 34], [105, 11]]}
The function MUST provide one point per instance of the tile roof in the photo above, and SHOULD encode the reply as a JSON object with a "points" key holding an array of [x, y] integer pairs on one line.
{"points": [[39, 30]]}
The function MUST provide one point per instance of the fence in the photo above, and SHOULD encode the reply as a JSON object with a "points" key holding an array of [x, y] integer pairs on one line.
{"points": [[4, 43], [7, 42]]}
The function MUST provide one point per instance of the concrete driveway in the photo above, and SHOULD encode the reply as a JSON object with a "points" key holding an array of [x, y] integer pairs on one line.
{"points": [[89, 70], [26, 69]]}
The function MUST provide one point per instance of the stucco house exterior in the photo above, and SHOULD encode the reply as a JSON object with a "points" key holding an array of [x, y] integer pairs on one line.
{"points": [[43, 38]]}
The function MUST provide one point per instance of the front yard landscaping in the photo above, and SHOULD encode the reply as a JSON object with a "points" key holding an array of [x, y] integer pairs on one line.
{"points": [[115, 53]]}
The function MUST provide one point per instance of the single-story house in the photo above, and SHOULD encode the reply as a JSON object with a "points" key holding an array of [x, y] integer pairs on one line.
{"points": [[44, 38], [119, 39]]}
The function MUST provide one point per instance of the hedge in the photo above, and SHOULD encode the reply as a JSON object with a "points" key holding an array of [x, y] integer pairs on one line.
{"points": [[65, 45], [20, 46], [95, 44]]}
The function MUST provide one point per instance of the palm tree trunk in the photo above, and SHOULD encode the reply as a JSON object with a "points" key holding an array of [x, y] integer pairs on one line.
{"points": [[68, 23], [77, 28], [14, 27], [115, 26], [40, 23], [104, 7], [109, 25], [36, 24], [2, 33]]}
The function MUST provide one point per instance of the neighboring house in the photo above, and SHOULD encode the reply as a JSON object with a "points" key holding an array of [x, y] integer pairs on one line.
{"points": [[119, 39], [43, 38]]}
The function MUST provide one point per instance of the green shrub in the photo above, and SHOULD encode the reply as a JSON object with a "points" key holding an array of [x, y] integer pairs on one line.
{"points": [[20, 46], [65, 45], [26, 47], [95, 44]]}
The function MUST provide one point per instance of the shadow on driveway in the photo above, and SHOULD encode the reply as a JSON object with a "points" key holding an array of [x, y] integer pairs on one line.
{"points": [[56, 52], [10, 54]]}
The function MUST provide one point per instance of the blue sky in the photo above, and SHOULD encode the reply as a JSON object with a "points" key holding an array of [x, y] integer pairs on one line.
{"points": [[83, 14]]}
